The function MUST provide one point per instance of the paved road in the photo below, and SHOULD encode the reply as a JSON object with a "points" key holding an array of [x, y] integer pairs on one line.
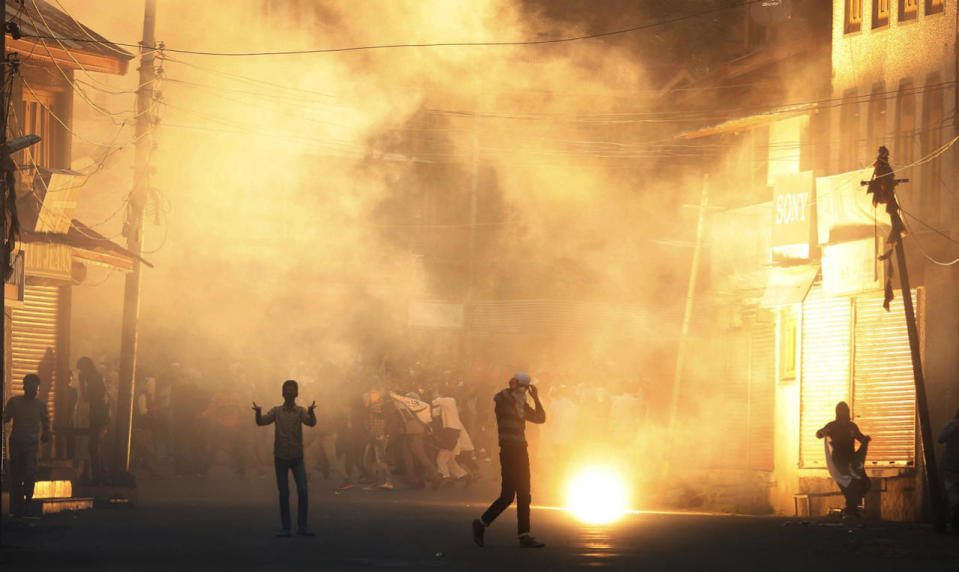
{"points": [[228, 525]]}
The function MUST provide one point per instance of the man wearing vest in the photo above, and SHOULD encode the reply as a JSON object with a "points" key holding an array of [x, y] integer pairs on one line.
{"points": [[512, 413]]}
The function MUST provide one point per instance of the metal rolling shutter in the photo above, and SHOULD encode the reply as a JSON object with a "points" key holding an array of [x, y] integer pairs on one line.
{"points": [[884, 393], [732, 402], [762, 386], [826, 348], [34, 340]]}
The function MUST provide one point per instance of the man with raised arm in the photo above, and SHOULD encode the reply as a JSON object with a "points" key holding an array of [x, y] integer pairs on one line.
{"points": [[512, 413], [288, 454]]}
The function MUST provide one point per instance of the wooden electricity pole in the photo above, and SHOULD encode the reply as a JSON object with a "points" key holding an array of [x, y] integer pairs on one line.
{"points": [[688, 310], [922, 405], [134, 234]]}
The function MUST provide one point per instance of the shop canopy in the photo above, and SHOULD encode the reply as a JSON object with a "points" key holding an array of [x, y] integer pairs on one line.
{"points": [[87, 245], [789, 284]]}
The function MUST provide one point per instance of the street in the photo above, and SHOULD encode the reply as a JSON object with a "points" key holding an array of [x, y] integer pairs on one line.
{"points": [[186, 524]]}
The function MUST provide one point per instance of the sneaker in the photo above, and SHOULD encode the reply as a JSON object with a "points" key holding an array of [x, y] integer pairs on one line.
{"points": [[387, 486], [283, 534], [479, 529], [527, 541], [304, 532], [346, 486]]}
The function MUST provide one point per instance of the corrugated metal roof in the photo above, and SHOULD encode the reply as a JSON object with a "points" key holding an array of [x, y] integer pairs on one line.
{"points": [[50, 21]]}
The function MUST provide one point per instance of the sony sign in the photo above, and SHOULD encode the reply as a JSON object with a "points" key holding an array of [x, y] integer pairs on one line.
{"points": [[793, 224]]}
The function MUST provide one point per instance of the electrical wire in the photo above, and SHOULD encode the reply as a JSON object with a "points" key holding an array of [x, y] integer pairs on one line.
{"points": [[929, 226], [598, 35], [923, 250]]}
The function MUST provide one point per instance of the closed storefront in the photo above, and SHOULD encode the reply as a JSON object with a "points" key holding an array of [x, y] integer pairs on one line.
{"points": [[34, 332], [745, 399], [826, 350], [855, 351], [762, 395], [884, 394]]}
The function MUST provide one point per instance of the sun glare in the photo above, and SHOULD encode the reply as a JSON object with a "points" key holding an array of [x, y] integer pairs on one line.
{"points": [[597, 495]]}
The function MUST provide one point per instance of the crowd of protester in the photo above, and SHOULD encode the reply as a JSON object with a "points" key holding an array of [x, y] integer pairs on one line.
{"points": [[378, 427]]}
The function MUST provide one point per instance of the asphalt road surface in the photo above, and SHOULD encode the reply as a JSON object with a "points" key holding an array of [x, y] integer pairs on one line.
{"points": [[226, 524]]}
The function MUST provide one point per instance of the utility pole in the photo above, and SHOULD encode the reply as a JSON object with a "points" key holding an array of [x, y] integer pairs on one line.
{"points": [[468, 312], [4, 231], [882, 185], [922, 405], [688, 311], [134, 234]]}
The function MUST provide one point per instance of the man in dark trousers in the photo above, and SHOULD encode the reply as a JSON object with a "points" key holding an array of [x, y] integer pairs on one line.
{"points": [[95, 393], [31, 426], [512, 413], [288, 454]]}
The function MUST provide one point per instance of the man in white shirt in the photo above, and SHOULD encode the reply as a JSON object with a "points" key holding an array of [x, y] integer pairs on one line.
{"points": [[30, 417]]}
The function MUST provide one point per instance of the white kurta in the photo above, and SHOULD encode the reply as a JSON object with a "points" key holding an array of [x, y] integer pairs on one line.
{"points": [[451, 418]]}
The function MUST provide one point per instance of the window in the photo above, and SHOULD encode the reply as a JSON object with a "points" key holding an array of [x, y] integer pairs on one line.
{"points": [[908, 9], [33, 117], [931, 139], [876, 129], [905, 124], [853, 16], [935, 6], [880, 13], [849, 129]]}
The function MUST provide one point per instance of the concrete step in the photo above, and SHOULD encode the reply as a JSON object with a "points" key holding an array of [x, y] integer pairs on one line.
{"points": [[55, 505]]}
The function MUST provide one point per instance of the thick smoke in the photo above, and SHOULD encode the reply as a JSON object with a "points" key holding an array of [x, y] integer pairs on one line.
{"points": [[298, 214]]}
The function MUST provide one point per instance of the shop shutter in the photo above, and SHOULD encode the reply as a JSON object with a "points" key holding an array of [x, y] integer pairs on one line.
{"points": [[731, 402], [34, 340], [826, 341], [762, 385], [884, 393]]}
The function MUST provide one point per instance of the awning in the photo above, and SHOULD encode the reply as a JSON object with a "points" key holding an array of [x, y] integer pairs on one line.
{"points": [[752, 121], [88, 245], [789, 284]]}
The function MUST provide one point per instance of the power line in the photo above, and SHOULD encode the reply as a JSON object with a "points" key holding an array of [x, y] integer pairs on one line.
{"points": [[929, 226], [598, 35], [923, 250]]}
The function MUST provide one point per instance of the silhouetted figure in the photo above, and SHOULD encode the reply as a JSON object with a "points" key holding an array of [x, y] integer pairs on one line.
{"points": [[512, 413], [846, 463], [882, 187], [288, 454], [95, 394], [31, 426], [379, 439], [950, 466]]}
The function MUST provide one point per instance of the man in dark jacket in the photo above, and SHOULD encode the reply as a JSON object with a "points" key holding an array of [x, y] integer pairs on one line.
{"points": [[512, 413]]}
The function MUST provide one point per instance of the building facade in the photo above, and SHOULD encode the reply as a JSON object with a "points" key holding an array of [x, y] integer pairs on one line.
{"points": [[799, 264], [54, 248]]}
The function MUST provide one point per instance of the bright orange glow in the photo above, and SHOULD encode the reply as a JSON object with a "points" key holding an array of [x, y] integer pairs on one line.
{"points": [[597, 495]]}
